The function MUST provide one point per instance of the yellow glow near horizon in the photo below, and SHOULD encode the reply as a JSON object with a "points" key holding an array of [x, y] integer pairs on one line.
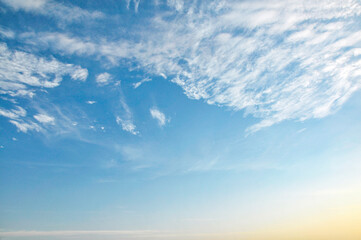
{"points": [[343, 223]]}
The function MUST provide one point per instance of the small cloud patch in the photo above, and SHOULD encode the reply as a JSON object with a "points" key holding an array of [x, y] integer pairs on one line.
{"points": [[137, 84], [127, 125], [43, 118], [103, 79], [159, 116]]}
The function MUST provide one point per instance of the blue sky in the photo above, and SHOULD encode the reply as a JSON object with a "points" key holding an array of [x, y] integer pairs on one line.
{"points": [[179, 119]]}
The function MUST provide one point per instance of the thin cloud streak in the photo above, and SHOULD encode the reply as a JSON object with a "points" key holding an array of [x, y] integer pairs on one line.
{"points": [[273, 60], [137, 84], [127, 125], [53, 9], [103, 79], [19, 70], [43, 118], [159, 116], [22, 74]]}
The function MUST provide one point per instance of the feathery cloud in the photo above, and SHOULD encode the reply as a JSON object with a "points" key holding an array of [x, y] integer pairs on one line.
{"points": [[43, 118], [52, 9], [137, 84], [159, 116], [22, 74], [103, 78], [274, 60], [24, 127], [4, 32], [20, 70], [135, 3], [127, 125], [13, 113]]}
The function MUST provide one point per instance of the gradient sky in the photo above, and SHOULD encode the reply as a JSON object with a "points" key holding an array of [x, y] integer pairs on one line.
{"points": [[180, 119]]}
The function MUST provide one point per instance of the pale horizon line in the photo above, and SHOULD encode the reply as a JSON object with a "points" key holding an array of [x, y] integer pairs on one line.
{"points": [[25, 233]]}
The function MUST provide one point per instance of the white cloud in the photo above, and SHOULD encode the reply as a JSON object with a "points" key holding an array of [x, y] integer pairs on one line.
{"points": [[159, 116], [13, 113], [79, 74], [103, 78], [137, 84], [27, 5], [25, 126], [20, 70], [6, 32], [276, 60], [176, 4], [43, 118], [68, 44], [127, 125], [53, 9], [17, 118], [126, 117], [301, 130], [22, 74], [62, 42], [135, 3], [90, 102], [127, 3]]}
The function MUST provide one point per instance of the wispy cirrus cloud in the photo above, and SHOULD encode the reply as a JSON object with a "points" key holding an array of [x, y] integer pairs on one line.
{"points": [[176, 4], [22, 71], [44, 118], [159, 116], [52, 9], [103, 79], [127, 125], [137, 84], [17, 117], [134, 2], [25, 5], [13, 113], [24, 125], [70, 44], [276, 60], [7, 33], [22, 74], [124, 116]]}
